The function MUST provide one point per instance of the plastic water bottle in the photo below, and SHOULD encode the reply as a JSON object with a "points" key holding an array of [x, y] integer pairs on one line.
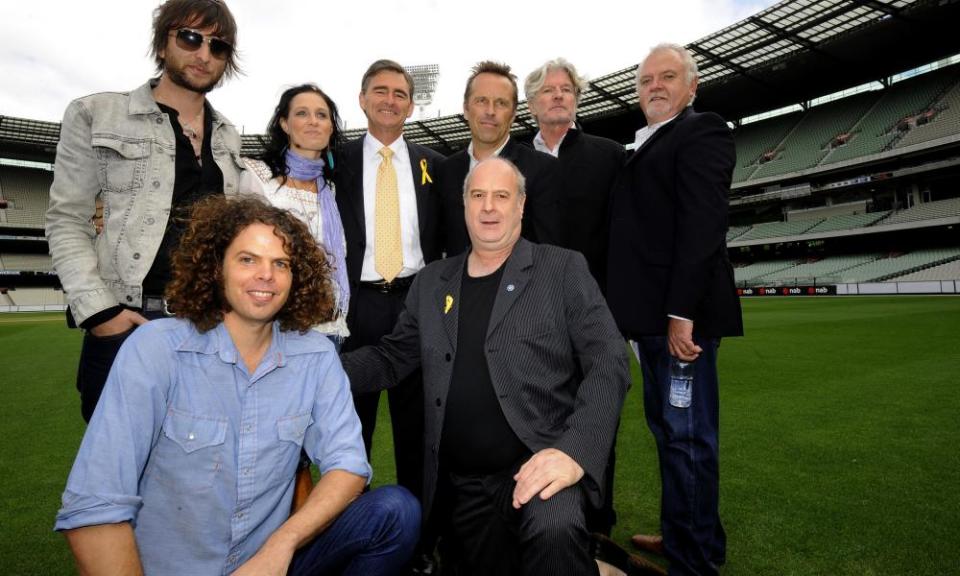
{"points": [[681, 383]]}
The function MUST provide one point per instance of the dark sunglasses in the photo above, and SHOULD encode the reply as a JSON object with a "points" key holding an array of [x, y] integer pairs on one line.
{"points": [[191, 41]]}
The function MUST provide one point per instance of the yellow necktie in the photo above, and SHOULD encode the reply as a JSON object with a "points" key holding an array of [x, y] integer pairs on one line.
{"points": [[387, 248]]}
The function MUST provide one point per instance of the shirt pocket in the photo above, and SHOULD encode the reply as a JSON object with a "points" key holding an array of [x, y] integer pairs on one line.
{"points": [[190, 450], [293, 428], [122, 163], [281, 458]]}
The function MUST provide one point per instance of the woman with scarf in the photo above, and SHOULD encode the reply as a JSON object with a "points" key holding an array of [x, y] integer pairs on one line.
{"points": [[295, 172]]}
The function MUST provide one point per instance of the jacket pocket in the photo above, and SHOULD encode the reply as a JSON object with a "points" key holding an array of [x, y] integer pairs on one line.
{"points": [[122, 163]]}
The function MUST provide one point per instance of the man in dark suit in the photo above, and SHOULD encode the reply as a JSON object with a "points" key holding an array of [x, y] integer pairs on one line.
{"points": [[671, 289], [524, 376], [384, 164], [589, 164], [489, 106]]}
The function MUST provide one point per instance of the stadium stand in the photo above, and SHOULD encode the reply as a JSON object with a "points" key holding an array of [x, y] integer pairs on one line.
{"points": [[940, 121], [899, 265], [735, 231], [946, 271], [819, 272], [758, 142], [882, 125], [36, 297], [26, 262], [810, 140], [748, 273], [777, 229], [27, 193], [926, 211], [848, 222]]}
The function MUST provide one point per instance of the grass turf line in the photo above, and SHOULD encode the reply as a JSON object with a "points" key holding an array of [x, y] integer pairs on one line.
{"points": [[839, 435]]}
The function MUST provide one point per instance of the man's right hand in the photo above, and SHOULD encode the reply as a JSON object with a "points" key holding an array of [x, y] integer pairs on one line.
{"points": [[122, 322]]}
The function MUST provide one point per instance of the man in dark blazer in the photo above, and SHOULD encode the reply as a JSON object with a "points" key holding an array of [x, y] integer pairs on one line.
{"points": [[524, 376], [589, 164], [386, 97], [671, 290], [489, 106]]}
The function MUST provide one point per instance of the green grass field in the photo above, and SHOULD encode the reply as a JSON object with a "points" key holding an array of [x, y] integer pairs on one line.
{"points": [[840, 451]]}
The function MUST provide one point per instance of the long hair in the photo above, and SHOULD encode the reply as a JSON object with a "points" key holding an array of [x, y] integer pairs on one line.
{"points": [[275, 141], [196, 291]]}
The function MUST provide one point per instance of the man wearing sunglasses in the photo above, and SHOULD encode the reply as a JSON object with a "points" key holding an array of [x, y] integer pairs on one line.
{"points": [[148, 155]]}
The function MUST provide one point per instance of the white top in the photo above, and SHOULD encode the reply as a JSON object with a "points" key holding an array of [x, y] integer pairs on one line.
{"points": [[303, 204], [473, 159], [409, 219], [540, 144], [647, 131]]}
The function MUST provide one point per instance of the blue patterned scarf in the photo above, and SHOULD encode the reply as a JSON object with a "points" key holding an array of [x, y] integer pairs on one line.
{"points": [[306, 169]]}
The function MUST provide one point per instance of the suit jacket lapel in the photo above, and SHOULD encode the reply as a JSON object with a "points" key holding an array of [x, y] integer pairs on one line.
{"points": [[516, 277], [420, 184], [447, 296], [660, 132], [355, 189]]}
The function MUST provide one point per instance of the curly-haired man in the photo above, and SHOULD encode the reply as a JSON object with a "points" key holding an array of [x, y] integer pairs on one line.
{"points": [[188, 464]]}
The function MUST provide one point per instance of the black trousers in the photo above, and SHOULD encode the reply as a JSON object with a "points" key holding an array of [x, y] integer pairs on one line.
{"points": [[481, 533], [376, 314], [96, 358]]}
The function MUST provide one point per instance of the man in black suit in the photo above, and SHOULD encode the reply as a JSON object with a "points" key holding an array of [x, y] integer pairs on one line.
{"points": [[589, 164], [524, 376], [379, 287], [489, 106], [672, 292]]}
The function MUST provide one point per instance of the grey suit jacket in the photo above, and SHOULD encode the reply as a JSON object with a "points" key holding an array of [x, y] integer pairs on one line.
{"points": [[556, 359]]}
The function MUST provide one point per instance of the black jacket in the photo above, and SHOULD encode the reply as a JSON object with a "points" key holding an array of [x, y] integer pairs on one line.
{"points": [[668, 231]]}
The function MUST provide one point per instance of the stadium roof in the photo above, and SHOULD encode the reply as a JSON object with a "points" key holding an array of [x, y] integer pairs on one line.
{"points": [[789, 53]]}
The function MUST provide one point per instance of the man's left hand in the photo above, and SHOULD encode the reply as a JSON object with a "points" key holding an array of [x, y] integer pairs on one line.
{"points": [[546, 473]]}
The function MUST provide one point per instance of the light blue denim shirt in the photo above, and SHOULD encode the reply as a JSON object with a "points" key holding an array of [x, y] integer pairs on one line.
{"points": [[198, 454]]}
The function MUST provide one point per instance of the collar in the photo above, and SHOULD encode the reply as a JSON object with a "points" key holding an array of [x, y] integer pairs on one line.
{"points": [[496, 152], [372, 146], [540, 144]]}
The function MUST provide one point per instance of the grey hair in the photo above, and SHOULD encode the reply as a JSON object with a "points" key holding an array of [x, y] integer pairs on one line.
{"points": [[689, 63], [535, 79], [521, 181]]}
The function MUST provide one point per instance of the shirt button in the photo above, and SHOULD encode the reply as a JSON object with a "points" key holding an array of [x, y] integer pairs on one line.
{"points": [[159, 119], [191, 436], [247, 428], [136, 255], [438, 403], [246, 471], [150, 221], [129, 298], [156, 183], [447, 357]]}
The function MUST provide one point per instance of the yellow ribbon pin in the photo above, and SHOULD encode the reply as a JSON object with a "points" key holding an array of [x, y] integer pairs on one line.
{"points": [[424, 175], [448, 304]]}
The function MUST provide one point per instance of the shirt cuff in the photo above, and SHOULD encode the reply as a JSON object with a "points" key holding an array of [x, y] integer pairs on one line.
{"points": [[679, 317]]}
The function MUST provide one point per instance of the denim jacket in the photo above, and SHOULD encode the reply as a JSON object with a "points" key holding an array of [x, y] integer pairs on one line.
{"points": [[119, 147]]}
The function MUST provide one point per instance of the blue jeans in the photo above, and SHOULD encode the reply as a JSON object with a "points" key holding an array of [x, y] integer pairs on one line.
{"points": [[688, 450], [375, 535]]}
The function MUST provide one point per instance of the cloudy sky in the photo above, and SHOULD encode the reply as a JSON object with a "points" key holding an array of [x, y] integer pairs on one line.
{"points": [[52, 51]]}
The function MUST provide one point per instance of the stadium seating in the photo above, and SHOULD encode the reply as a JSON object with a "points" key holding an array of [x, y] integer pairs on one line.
{"points": [[891, 267], [945, 121], [36, 297], [777, 229], [926, 211], [756, 139], [734, 231], [947, 271], [848, 222], [810, 140], [878, 129], [824, 271], [747, 273], [27, 193], [30, 262]]}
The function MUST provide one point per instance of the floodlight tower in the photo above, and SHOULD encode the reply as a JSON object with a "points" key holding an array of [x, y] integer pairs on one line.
{"points": [[425, 83]]}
